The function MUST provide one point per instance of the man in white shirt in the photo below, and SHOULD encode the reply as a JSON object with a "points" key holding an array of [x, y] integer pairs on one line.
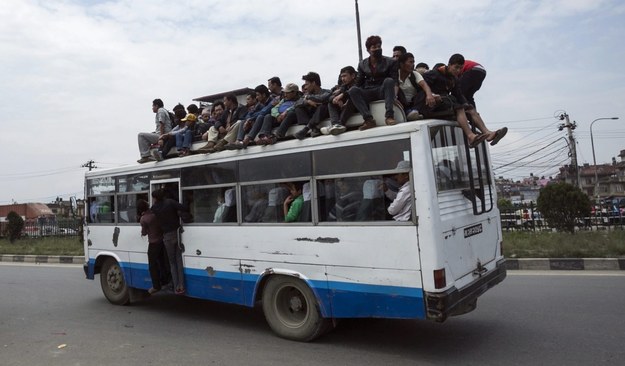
{"points": [[401, 207]]}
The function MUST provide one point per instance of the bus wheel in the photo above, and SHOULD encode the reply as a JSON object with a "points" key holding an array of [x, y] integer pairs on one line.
{"points": [[291, 309], [113, 283]]}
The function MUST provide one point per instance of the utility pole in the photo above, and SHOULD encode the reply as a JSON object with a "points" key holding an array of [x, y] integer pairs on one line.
{"points": [[90, 164], [358, 32], [570, 127]]}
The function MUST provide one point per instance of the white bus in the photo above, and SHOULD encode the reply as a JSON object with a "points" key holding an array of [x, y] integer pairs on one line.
{"points": [[345, 257]]}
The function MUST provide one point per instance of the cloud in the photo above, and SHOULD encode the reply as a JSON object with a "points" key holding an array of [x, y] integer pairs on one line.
{"points": [[79, 77]]}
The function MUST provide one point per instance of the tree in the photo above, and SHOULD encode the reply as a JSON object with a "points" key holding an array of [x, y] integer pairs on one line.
{"points": [[561, 204], [504, 204], [15, 225]]}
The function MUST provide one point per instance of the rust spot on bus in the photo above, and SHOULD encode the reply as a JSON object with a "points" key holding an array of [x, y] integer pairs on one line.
{"points": [[320, 240], [210, 271]]}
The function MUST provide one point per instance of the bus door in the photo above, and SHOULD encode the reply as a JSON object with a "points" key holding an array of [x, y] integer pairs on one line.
{"points": [[172, 191]]}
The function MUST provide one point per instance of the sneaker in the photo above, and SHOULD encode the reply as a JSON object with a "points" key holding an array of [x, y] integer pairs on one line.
{"points": [[157, 155], [145, 159], [221, 145], [302, 134], [236, 145], [337, 129], [367, 124], [390, 121], [153, 290], [208, 148], [414, 115], [315, 132]]}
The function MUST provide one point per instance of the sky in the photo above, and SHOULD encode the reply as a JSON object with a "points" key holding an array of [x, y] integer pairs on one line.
{"points": [[77, 78]]}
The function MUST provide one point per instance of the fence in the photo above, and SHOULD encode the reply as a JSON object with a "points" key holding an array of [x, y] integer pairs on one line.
{"points": [[34, 229], [603, 217]]}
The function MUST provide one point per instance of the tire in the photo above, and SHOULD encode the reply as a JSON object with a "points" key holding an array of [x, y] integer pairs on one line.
{"points": [[291, 309], [113, 283]]}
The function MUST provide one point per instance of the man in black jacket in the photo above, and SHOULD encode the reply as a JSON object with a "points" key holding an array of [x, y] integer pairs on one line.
{"points": [[226, 128], [377, 78], [166, 212]]}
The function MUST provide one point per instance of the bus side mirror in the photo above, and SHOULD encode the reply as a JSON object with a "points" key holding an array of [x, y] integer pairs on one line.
{"points": [[73, 206]]}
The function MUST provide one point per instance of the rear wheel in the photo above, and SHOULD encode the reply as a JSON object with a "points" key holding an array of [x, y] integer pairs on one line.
{"points": [[291, 309], [113, 283]]}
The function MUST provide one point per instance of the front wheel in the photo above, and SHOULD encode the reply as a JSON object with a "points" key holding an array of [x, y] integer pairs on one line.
{"points": [[291, 309], [113, 283]]}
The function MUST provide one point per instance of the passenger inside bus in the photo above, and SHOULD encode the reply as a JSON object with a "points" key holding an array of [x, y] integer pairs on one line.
{"points": [[401, 207], [292, 206]]}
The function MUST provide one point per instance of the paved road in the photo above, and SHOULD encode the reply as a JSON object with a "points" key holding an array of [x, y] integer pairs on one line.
{"points": [[531, 318]]}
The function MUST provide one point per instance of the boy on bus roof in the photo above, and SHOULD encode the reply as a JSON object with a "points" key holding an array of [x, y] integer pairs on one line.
{"points": [[443, 82]]}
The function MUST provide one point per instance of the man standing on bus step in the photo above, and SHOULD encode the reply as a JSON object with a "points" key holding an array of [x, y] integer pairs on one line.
{"points": [[157, 261], [377, 79], [163, 126], [401, 207], [166, 212]]}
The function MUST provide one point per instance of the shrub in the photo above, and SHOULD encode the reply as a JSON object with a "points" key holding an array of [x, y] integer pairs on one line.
{"points": [[15, 226], [561, 204]]}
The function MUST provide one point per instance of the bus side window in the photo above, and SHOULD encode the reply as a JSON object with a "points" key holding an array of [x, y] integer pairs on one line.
{"points": [[372, 207], [348, 197]]}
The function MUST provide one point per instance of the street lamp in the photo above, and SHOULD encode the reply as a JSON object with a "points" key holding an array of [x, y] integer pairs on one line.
{"points": [[594, 159]]}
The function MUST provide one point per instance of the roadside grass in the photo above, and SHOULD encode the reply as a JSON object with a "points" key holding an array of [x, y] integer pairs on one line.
{"points": [[517, 244], [583, 244], [67, 245]]}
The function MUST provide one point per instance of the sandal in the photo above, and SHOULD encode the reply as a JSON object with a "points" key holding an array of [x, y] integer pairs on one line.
{"points": [[478, 140], [499, 134]]}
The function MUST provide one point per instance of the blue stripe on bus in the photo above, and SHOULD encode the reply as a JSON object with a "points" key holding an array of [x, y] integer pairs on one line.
{"points": [[338, 299]]}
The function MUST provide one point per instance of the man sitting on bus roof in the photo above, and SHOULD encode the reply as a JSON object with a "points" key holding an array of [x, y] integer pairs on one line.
{"points": [[225, 130], [443, 82], [163, 125], [377, 78], [312, 109], [280, 112], [255, 120]]}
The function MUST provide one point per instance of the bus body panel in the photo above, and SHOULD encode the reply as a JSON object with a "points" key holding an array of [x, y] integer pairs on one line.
{"points": [[355, 269]]}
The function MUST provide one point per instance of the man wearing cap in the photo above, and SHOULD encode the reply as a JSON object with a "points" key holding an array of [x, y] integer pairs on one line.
{"points": [[377, 78], [401, 207], [163, 125], [182, 134], [279, 113], [312, 108]]}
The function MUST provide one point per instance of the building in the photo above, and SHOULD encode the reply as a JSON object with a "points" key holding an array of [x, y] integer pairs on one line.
{"points": [[610, 178]]}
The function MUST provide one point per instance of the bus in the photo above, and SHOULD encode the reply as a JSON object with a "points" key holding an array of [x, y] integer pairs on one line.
{"points": [[346, 257]]}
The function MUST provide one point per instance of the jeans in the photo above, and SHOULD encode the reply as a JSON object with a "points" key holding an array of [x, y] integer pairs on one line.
{"points": [[170, 240], [319, 114], [158, 265], [183, 140], [362, 97], [340, 115]]}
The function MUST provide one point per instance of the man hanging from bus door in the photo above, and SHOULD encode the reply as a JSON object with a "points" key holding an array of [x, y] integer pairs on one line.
{"points": [[401, 207], [166, 211], [157, 257]]}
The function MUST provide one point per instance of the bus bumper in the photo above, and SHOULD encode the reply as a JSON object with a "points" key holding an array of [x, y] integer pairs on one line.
{"points": [[441, 305]]}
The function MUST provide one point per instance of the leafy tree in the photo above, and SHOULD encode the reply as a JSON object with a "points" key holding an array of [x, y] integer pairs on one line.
{"points": [[504, 204], [561, 204], [15, 225]]}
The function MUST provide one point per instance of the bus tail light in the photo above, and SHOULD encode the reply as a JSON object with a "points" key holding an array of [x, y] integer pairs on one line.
{"points": [[439, 278]]}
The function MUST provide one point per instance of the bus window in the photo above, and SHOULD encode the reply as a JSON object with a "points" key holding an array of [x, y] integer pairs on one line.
{"points": [[275, 167], [450, 166], [355, 159], [101, 209], [207, 205], [134, 183], [127, 207], [204, 175]]}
